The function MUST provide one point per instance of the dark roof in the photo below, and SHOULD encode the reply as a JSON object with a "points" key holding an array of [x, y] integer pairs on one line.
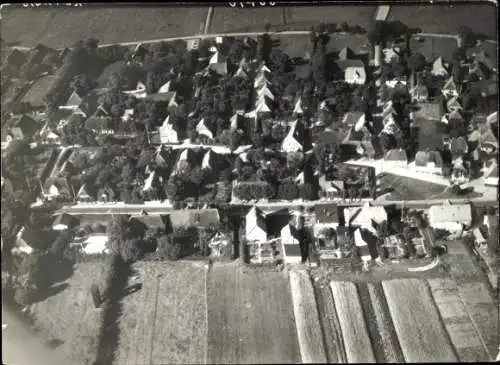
{"points": [[152, 221], [292, 250], [66, 219], [15, 58], [27, 124], [344, 64], [37, 91], [346, 53], [327, 213]]}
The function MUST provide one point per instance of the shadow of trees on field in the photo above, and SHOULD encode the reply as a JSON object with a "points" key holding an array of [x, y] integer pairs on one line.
{"points": [[110, 331]]}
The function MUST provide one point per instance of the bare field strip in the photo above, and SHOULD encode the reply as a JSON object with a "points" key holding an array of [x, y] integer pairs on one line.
{"points": [[70, 315], [332, 334], [417, 322], [250, 317], [63, 26], [165, 321], [391, 347], [484, 313], [458, 323], [312, 349], [228, 19], [352, 322]]}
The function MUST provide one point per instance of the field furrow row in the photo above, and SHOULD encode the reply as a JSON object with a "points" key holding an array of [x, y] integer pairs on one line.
{"points": [[305, 310]]}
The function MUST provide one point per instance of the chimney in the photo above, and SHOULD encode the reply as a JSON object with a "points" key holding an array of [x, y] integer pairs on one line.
{"points": [[377, 55]]}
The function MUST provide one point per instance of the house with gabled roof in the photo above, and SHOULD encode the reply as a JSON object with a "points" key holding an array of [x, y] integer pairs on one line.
{"points": [[165, 88], [167, 131], [439, 68], [451, 217], [203, 129], [346, 54], [331, 189], [64, 222], [255, 226], [454, 116], [264, 105], [449, 88], [23, 127], [264, 91], [453, 104], [240, 73], [260, 81], [492, 118], [354, 71], [127, 113], [419, 93], [352, 118], [366, 244], [391, 53], [289, 235], [293, 140], [429, 162], [460, 171], [396, 158], [365, 216], [86, 193], [73, 102]]}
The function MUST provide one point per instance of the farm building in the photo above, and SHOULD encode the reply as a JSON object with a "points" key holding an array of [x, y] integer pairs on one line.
{"points": [[331, 189], [289, 235], [326, 216], [450, 89], [352, 118], [291, 253], [354, 71], [419, 93], [24, 241], [439, 68], [366, 243], [167, 132], [255, 226], [23, 127], [364, 216], [450, 217], [292, 142]]}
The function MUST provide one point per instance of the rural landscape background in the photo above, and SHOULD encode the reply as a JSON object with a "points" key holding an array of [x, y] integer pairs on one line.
{"points": [[192, 312]]}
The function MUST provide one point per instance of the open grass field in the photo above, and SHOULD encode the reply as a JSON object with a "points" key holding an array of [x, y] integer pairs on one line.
{"points": [[165, 321], [357, 342], [226, 19], [250, 317], [70, 316], [309, 333], [61, 27], [447, 19], [417, 322], [463, 333]]}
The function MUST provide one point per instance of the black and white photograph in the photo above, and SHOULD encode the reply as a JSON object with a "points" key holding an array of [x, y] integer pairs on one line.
{"points": [[269, 182]]}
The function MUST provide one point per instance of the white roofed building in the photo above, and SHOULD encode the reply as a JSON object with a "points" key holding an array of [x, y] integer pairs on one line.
{"points": [[255, 226], [451, 217]]}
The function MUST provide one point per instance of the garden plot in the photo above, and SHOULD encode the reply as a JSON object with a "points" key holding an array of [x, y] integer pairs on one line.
{"points": [[357, 343], [309, 333], [70, 315], [250, 317], [463, 334], [389, 340], [334, 344], [417, 322]]}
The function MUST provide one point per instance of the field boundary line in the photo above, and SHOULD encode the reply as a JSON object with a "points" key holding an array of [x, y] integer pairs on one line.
{"points": [[474, 324], [151, 344], [205, 355]]}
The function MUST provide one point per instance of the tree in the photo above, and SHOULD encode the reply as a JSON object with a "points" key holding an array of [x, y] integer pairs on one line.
{"points": [[416, 62], [288, 191]]}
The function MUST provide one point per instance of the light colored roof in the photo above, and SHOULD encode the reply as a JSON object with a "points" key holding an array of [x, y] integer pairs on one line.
{"points": [[217, 57], [456, 115], [453, 103], [264, 91], [289, 235], [255, 227], [446, 213], [202, 129], [351, 118], [364, 214], [438, 67], [298, 107], [205, 164], [492, 118], [450, 85], [240, 73], [165, 88]]}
